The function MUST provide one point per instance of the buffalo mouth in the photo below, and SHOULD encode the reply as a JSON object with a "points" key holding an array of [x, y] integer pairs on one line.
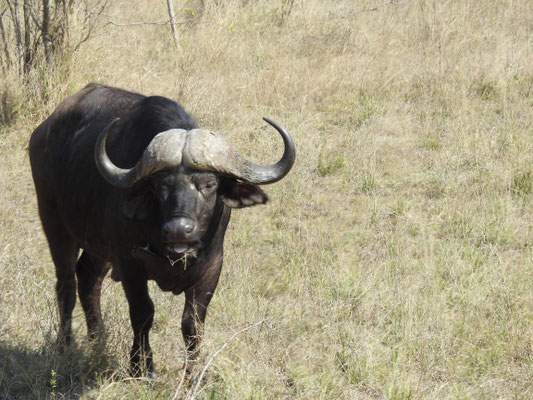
{"points": [[176, 250], [173, 252]]}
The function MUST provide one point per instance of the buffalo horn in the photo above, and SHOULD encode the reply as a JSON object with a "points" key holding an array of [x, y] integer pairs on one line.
{"points": [[208, 151], [197, 149], [164, 151]]}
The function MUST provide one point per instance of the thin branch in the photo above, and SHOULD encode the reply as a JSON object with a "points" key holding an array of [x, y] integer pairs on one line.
{"points": [[36, 42], [14, 9], [89, 12], [4, 40], [362, 10], [65, 22], [204, 370], [166, 22], [182, 380], [185, 4], [87, 20], [172, 16], [34, 17], [45, 32], [376, 8], [28, 55]]}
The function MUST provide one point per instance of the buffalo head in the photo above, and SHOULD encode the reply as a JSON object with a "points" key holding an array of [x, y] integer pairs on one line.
{"points": [[181, 178]]}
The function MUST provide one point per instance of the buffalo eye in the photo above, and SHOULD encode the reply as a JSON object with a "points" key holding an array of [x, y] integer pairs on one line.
{"points": [[205, 183], [207, 187]]}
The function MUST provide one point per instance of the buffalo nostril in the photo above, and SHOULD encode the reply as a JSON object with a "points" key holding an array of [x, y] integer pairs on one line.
{"points": [[185, 225], [179, 229], [188, 227]]}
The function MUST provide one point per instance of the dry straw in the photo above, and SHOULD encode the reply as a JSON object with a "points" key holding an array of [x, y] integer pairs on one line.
{"points": [[395, 261]]}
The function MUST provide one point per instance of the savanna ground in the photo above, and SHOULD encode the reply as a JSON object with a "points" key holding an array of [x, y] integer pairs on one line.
{"points": [[395, 261]]}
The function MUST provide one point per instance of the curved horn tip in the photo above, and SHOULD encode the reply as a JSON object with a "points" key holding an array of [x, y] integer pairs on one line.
{"points": [[272, 122], [103, 133], [102, 136], [283, 166], [110, 124], [118, 177]]}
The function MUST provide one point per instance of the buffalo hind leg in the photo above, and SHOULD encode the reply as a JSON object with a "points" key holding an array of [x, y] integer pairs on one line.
{"points": [[91, 272], [65, 290], [142, 316], [64, 251], [197, 300]]}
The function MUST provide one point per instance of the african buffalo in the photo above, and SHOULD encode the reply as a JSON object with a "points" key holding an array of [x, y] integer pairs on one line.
{"points": [[134, 183]]}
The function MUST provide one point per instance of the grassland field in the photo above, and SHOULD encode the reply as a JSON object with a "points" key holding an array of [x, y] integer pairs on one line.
{"points": [[394, 262]]}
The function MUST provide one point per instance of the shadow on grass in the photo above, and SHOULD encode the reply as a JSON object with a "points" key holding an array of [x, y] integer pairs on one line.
{"points": [[49, 373]]}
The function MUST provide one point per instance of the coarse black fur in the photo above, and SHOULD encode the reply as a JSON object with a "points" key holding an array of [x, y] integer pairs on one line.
{"points": [[138, 232]]}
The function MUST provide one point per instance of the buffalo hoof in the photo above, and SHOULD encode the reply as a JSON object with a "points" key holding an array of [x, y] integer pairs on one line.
{"points": [[63, 343], [138, 373], [147, 377]]}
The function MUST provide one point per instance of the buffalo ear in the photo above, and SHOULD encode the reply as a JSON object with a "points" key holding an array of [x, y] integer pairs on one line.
{"points": [[137, 205], [236, 194]]}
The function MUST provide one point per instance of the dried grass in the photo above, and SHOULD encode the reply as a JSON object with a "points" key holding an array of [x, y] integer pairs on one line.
{"points": [[395, 259]]}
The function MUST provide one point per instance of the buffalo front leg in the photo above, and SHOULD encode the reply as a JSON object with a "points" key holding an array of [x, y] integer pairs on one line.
{"points": [[197, 300], [142, 316], [91, 272]]}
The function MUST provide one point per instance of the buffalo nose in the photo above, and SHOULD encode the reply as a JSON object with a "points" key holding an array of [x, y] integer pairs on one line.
{"points": [[180, 229]]}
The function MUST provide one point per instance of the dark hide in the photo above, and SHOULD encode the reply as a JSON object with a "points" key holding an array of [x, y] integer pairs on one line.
{"points": [[137, 231]]}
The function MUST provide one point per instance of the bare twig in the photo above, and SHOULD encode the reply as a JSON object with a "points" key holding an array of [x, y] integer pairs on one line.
{"points": [[45, 31], [65, 20], [362, 10], [376, 8], [216, 353], [36, 20], [91, 21], [182, 380], [173, 28], [14, 9], [167, 22], [4, 40], [28, 54]]}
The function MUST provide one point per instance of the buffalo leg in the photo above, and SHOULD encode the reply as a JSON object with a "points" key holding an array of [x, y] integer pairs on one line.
{"points": [[91, 272], [65, 290], [142, 316], [197, 299], [64, 251]]}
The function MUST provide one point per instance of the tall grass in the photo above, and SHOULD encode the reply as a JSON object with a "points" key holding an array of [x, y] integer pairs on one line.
{"points": [[395, 261]]}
